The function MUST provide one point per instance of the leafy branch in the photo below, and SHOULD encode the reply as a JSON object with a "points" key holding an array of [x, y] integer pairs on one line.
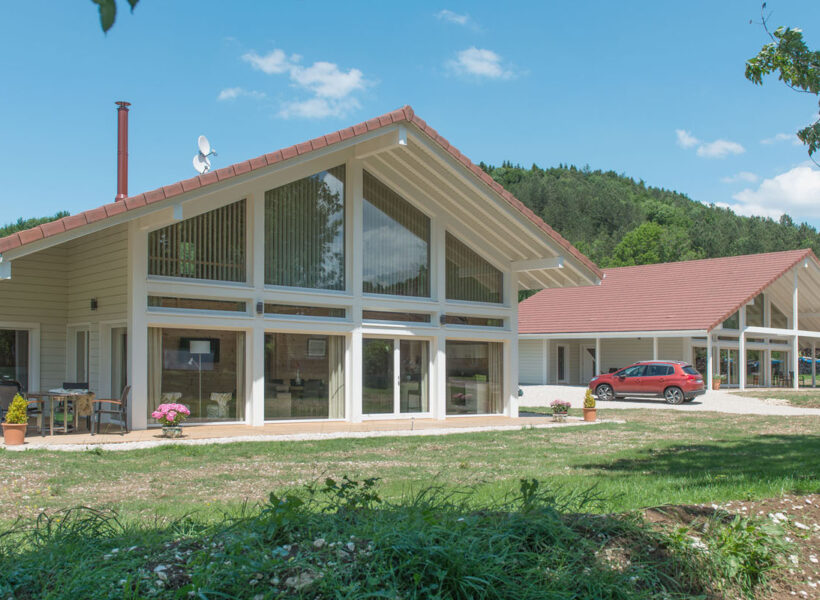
{"points": [[108, 12], [796, 66]]}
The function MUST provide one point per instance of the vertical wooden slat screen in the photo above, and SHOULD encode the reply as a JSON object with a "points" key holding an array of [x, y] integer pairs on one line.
{"points": [[470, 277], [304, 232], [396, 243], [208, 246]]}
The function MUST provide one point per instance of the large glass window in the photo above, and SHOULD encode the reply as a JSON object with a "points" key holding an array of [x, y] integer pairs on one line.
{"points": [[305, 233], [205, 370], [470, 277], [378, 390], [14, 356], [474, 377], [780, 368], [779, 320], [304, 376], [754, 312], [729, 366], [699, 359], [208, 246], [396, 243], [732, 322], [754, 370]]}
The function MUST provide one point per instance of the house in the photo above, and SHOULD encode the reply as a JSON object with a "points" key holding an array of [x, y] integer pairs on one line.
{"points": [[369, 273], [764, 308]]}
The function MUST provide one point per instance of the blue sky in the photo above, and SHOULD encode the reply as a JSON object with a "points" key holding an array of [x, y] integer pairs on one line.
{"points": [[651, 89]]}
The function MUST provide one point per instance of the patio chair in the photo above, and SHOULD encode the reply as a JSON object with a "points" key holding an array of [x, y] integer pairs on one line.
{"points": [[115, 408]]}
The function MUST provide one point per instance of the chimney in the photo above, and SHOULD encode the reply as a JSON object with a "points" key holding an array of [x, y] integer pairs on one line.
{"points": [[122, 150]]}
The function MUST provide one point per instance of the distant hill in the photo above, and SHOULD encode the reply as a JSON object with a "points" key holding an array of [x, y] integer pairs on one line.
{"points": [[618, 221]]}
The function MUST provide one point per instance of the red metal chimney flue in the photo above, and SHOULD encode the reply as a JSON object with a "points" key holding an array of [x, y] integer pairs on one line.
{"points": [[122, 150]]}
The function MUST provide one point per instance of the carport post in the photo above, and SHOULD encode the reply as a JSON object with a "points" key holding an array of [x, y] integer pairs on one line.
{"points": [[655, 348], [598, 364], [741, 351], [813, 363], [795, 339], [709, 366]]}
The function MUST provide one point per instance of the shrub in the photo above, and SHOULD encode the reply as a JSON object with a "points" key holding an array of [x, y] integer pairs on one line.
{"points": [[171, 415], [560, 406], [589, 399], [18, 411]]}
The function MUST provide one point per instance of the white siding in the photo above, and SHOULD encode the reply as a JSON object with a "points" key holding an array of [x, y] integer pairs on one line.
{"points": [[36, 294], [98, 268], [619, 353], [531, 362]]}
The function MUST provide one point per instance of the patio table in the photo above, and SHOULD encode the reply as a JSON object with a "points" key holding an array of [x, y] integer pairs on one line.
{"points": [[83, 403]]}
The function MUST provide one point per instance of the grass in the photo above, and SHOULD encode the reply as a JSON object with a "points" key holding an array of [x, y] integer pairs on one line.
{"points": [[341, 540], [803, 398], [656, 457]]}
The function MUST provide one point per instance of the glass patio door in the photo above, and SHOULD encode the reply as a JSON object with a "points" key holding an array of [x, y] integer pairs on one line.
{"points": [[729, 365], [395, 376]]}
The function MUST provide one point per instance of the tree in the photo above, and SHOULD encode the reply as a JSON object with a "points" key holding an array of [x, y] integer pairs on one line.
{"points": [[23, 224], [108, 12], [795, 65]]}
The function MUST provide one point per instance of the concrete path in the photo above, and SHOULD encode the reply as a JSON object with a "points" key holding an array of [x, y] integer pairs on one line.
{"points": [[718, 401]]}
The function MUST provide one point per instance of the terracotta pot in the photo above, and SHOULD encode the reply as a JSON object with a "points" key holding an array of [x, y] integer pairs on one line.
{"points": [[716, 384], [590, 414], [14, 434]]}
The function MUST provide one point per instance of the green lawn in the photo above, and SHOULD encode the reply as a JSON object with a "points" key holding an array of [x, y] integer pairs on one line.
{"points": [[804, 398], [656, 457]]}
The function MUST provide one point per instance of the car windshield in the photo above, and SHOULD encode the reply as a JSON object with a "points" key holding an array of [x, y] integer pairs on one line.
{"points": [[690, 370]]}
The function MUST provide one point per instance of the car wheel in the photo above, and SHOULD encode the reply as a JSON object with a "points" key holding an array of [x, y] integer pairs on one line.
{"points": [[673, 395], [605, 392]]}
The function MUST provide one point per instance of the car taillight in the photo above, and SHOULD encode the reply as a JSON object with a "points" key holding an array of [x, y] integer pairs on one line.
{"points": [[692, 377]]}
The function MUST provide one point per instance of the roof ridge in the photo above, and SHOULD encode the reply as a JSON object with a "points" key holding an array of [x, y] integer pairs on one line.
{"points": [[403, 114], [714, 259]]}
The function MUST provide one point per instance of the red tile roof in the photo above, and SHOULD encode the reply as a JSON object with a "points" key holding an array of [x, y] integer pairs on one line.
{"points": [[404, 114], [689, 295]]}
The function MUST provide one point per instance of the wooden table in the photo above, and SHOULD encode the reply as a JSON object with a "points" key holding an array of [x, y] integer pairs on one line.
{"points": [[55, 396]]}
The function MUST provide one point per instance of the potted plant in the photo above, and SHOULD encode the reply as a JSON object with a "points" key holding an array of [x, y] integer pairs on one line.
{"points": [[590, 412], [14, 427], [716, 379], [171, 416], [560, 408]]}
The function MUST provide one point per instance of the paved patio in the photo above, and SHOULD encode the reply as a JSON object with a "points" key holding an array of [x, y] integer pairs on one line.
{"points": [[296, 431]]}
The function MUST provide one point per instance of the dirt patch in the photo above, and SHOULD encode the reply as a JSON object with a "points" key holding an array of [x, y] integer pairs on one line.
{"points": [[799, 515]]}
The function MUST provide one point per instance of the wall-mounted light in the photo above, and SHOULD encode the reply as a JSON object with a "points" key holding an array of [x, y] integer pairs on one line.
{"points": [[94, 304], [260, 308], [442, 319]]}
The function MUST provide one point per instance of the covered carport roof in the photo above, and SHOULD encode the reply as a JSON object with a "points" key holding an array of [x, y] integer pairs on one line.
{"points": [[695, 295]]}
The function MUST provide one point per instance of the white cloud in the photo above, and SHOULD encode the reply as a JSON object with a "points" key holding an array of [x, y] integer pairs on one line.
{"points": [[795, 192], [330, 91], [782, 137], [686, 139], [236, 92], [719, 149], [480, 62], [452, 17], [744, 176]]}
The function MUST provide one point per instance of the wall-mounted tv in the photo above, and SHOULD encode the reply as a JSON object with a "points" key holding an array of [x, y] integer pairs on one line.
{"points": [[193, 353]]}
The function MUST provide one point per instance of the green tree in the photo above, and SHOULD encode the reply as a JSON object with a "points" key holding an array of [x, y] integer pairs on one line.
{"points": [[108, 12], [23, 224], [796, 66]]}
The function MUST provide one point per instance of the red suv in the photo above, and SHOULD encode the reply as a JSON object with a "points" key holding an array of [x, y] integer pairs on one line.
{"points": [[673, 380]]}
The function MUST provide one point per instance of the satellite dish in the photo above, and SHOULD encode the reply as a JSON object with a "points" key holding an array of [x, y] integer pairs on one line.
{"points": [[201, 162], [204, 145]]}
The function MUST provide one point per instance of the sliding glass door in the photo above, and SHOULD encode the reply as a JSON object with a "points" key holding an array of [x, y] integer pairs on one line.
{"points": [[395, 376]]}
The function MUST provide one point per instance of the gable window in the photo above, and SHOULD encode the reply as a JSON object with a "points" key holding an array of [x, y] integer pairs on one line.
{"points": [[305, 233], [396, 243], [732, 322], [754, 312], [779, 320], [208, 246], [470, 277]]}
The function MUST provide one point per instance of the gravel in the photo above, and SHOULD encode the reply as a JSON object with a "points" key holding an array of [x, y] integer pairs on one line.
{"points": [[717, 401]]}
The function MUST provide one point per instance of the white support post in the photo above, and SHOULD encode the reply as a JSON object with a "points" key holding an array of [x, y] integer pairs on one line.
{"points": [[511, 369], [741, 351], [256, 343], [137, 326], [545, 357], [655, 348], [814, 364], [710, 367], [598, 364], [795, 338], [356, 227], [256, 361]]}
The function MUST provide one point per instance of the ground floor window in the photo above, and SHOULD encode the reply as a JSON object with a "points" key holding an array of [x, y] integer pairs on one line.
{"points": [[700, 360], [14, 355], [395, 376], [780, 368], [205, 370], [475, 373], [304, 376], [754, 370], [728, 366]]}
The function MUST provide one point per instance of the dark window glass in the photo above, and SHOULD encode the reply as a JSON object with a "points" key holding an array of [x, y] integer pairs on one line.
{"points": [[473, 321], [306, 311], [396, 243], [474, 377], [470, 277], [636, 371], [208, 246], [732, 322], [690, 371], [659, 370], [196, 304], [14, 356], [304, 232], [754, 312], [779, 320], [378, 315]]}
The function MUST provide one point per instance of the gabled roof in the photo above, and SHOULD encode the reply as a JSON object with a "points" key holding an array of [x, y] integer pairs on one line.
{"points": [[402, 115], [681, 296]]}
